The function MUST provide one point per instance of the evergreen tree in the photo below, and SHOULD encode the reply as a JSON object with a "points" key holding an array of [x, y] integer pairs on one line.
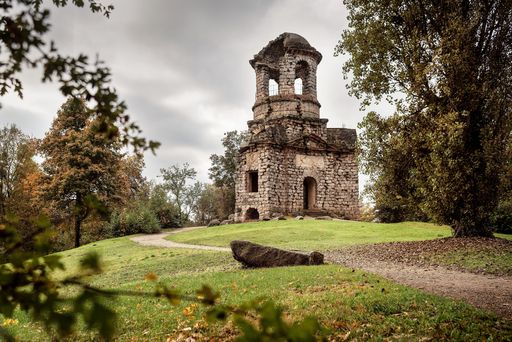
{"points": [[80, 166]]}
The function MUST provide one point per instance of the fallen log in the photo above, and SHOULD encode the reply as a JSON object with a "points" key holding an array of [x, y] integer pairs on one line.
{"points": [[254, 255]]}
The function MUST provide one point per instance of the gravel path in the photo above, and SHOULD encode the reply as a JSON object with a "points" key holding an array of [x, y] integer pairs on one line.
{"points": [[158, 240], [488, 292]]}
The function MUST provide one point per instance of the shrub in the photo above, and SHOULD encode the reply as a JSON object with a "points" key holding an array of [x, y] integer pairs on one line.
{"points": [[501, 219], [138, 218]]}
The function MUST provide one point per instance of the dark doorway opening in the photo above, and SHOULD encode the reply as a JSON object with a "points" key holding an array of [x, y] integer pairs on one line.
{"points": [[252, 181], [252, 214], [309, 193]]}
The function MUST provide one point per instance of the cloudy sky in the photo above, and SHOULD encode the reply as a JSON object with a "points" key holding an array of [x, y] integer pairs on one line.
{"points": [[182, 68]]}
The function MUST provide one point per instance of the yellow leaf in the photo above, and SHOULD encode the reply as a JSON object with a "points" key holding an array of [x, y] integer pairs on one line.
{"points": [[151, 276]]}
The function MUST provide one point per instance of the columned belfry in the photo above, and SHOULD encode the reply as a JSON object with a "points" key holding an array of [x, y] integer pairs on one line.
{"points": [[291, 162]]}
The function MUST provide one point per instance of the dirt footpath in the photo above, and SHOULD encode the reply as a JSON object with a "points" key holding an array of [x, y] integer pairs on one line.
{"points": [[158, 240], [488, 292]]}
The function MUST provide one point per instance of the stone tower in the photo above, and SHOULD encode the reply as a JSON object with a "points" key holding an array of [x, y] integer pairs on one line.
{"points": [[291, 162]]}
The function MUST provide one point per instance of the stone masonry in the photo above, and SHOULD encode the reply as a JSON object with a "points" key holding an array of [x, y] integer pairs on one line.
{"points": [[292, 163]]}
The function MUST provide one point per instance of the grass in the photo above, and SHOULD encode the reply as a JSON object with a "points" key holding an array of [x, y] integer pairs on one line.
{"points": [[477, 260], [351, 304], [312, 234]]}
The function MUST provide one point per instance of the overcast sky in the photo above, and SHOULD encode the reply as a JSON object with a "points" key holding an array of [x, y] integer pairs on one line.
{"points": [[182, 68]]}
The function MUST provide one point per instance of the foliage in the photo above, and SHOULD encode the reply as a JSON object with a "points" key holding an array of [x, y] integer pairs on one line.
{"points": [[447, 66], [16, 152], [136, 218], [25, 25], [167, 213], [133, 185], [210, 204], [25, 283], [183, 195], [80, 166], [501, 219], [387, 160], [223, 169]]}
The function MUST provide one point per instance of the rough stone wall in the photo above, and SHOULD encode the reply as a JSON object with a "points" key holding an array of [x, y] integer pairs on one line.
{"points": [[282, 171]]}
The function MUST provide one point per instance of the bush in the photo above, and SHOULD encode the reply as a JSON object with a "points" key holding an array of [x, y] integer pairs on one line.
{"points": [[501, 219], [138, 218]]}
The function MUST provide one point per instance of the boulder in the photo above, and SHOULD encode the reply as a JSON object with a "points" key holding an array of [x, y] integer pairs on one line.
{"points": [[325, 218], [279, 218], [254, 255], [214, 223], [226, 222], [231, 217], [265, 218], [299, 217]]}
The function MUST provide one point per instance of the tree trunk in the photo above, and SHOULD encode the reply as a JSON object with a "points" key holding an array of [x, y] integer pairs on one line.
{"points": [[78, 218], [460, 229]]}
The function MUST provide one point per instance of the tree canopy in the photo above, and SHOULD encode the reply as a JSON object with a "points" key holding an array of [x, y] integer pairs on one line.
{"points": [[447, 66], [80, 164]]}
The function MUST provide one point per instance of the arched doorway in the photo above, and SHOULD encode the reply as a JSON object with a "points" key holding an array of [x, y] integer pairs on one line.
{"points": [[252, 214], [309, 193]]}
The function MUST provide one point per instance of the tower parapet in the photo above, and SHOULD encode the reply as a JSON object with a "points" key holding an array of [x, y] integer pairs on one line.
{"points": [[286, 78]]}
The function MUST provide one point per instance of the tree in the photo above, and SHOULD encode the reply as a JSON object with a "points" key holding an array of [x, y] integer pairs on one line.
{"points": [[209, 204], [167, 213], [24, 25], [223, 169], [16, 152], [447, 66], [133, 185], [175, 182], [80, 164]]}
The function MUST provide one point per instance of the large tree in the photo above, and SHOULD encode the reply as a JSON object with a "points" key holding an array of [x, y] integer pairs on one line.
{"points": [[447, 65], [80, 164]]}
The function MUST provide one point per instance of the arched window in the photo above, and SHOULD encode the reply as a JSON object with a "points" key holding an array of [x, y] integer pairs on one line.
{"points": [[298, 86], [273, 87], [302, 74]]}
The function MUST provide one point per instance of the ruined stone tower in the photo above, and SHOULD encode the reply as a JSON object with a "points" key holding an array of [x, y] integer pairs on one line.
{"points": [[291, 162]]}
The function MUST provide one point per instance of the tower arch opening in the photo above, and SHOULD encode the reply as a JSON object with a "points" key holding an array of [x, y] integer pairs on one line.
{"points": [[310, 193], [252, 214], [273, 87], [302, 74], [298, 86]]}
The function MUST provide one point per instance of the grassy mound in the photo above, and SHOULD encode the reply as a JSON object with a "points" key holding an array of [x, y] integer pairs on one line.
{"points": [[312, 234]]}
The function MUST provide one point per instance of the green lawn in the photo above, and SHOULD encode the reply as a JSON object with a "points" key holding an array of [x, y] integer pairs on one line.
{"points": [[351, 304], [312, 234]]}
